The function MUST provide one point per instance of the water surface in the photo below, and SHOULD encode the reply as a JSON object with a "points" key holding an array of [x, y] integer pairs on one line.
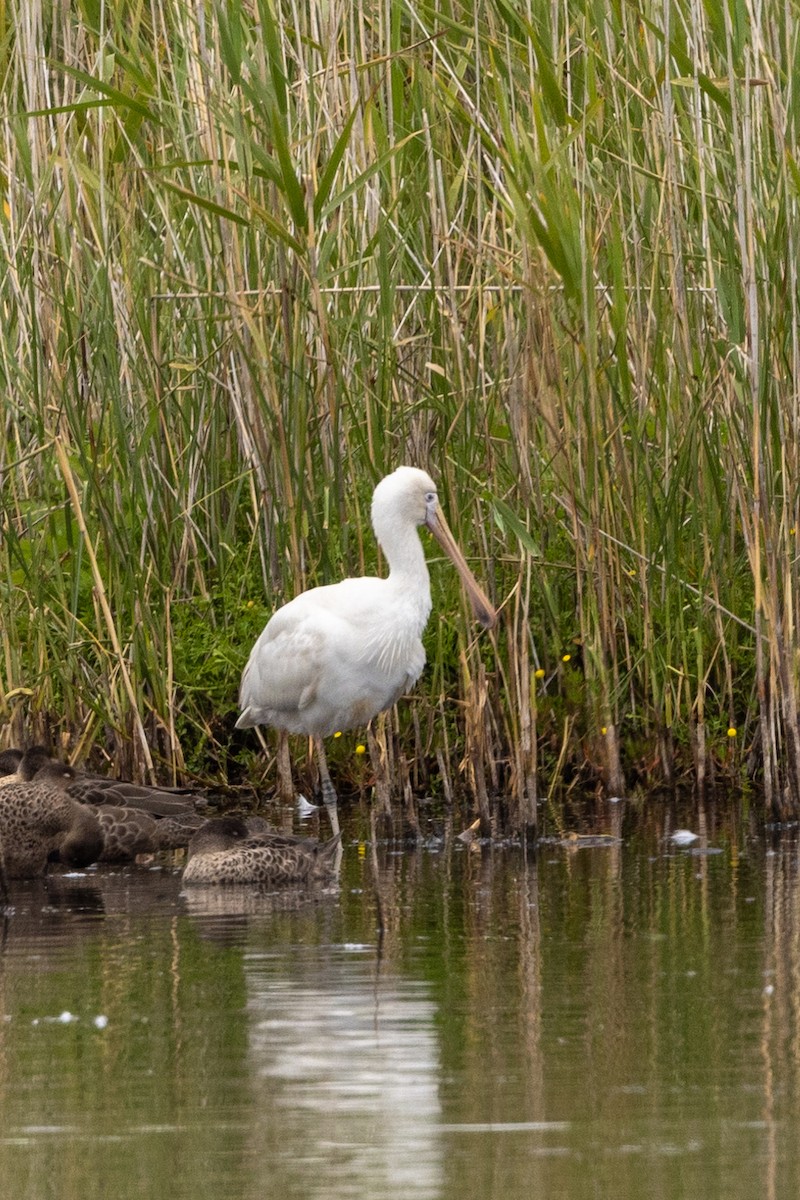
{"points": [[615, 1021]]}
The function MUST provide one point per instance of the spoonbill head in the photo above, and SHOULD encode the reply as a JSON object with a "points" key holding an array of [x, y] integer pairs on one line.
{"points": [[405, 500], [335, 656]]}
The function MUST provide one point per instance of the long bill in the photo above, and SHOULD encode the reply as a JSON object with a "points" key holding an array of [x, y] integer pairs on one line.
{"points": [[477, 597]]}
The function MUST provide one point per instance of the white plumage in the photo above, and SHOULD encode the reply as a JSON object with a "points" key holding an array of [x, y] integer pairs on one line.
{"points": [[335, 656]]}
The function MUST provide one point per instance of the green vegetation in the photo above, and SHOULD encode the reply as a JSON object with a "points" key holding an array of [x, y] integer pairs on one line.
{"points": [[254, 255]]}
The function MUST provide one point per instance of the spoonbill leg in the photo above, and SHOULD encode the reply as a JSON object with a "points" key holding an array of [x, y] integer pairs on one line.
{"points": [[329, 796]]}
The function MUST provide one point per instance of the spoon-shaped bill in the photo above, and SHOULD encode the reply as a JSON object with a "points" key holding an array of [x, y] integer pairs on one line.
{"points": [[481, 605]]}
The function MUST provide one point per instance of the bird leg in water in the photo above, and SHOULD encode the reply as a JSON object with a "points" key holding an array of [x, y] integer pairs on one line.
{"points": [[328, 790], [285, 784], [377, 757]]}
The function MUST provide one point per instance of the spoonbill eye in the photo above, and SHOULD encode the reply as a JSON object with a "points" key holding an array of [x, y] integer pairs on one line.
{"points": [[430, 497]]}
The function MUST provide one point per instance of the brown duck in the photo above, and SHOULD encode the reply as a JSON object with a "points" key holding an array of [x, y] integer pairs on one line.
{"points": [[9, 765], [127, 830], [225, 851], [95, 789], [39, 823]]}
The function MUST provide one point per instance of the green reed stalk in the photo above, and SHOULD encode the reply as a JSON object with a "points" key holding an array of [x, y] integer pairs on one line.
{"points": [[254, 256]]}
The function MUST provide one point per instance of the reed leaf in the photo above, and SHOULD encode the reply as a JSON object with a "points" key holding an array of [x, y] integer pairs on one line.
{"points": [[254, 255]]}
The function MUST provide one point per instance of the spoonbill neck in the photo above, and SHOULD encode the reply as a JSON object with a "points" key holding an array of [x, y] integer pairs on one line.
{"points": [[402, 547]]}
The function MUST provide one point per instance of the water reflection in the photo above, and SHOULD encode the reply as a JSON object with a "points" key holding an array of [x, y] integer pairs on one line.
{"points": [[560, 1026], [355, 1060]]}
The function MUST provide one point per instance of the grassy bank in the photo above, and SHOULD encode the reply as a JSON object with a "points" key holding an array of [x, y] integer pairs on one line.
{"points": [[255, 255]]}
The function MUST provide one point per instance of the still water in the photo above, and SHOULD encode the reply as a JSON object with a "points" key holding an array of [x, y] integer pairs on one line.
{"points": [[598, 1021]]}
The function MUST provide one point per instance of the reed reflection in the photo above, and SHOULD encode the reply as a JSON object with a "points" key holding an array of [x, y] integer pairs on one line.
{"points": [[486, 1027]]}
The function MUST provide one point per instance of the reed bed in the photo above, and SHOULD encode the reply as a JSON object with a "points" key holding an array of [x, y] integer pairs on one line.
{"points": [[254, 255]]}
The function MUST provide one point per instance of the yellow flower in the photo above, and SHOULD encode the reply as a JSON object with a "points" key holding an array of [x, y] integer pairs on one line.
{"points": [[566, 657], [731, 732], [361, 749], [539, 673], [338, 733], [604, 730], [250, 603]]}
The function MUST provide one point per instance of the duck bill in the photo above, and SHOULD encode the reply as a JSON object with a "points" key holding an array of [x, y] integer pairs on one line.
{"points": [[477, 597]]}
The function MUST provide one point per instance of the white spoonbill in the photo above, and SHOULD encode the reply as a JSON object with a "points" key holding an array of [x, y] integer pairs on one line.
{"points": [[336, 656]]}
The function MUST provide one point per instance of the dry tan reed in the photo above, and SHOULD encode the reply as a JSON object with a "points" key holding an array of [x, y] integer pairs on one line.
{"points": [[254, 256]]}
